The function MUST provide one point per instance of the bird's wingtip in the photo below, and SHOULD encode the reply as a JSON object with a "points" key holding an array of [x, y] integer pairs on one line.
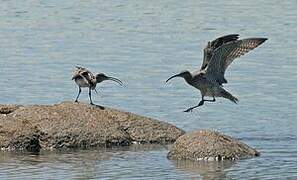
{"points": [[262, 40]]}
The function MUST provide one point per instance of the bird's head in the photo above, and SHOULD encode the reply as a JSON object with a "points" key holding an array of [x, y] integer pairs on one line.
{"points": [[102, 77], [185, 74]]}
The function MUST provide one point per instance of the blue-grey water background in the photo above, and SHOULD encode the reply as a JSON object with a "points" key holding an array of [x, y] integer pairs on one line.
{"points": [[143, 43]]}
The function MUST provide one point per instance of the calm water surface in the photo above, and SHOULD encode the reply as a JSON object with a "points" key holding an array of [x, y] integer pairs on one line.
{"points": [[143, 43]]}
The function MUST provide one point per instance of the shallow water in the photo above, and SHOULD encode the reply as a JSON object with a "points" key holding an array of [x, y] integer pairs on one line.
{"points": [[143, 43]]}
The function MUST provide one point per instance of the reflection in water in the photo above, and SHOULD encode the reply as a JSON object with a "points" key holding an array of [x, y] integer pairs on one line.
{"points": [[206, 169], [83, 164]]}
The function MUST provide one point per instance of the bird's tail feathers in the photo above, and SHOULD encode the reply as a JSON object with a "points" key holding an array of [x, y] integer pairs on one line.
{"points": [[229, 96]]}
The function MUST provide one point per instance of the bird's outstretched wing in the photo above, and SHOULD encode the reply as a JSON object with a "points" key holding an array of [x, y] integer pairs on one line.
{"points": [[224, 56], [213, 45], [85, 74]]}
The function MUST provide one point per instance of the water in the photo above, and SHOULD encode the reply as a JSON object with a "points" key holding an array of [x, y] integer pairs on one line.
{"points": [[143, 43]]}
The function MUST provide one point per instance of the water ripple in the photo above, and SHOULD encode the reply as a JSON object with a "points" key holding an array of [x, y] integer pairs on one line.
{"points": [[143, 43]]}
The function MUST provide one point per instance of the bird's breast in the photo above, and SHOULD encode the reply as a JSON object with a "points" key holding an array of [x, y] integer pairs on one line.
{"points": [[196, 84], [81, 82]]}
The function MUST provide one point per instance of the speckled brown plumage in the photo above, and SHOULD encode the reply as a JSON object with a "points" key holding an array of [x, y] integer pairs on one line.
{"points": [[218, 55]]}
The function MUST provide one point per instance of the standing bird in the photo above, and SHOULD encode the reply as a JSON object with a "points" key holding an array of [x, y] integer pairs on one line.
{"points": [[84, 78], [218, 55]]}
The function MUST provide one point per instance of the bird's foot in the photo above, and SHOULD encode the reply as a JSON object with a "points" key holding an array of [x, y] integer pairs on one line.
{"points": [[189, 110], [95, 105], [76, 101]]}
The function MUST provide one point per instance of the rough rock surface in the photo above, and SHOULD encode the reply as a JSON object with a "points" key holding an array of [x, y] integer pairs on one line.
{"points": [[77, 125], [209, 145]]}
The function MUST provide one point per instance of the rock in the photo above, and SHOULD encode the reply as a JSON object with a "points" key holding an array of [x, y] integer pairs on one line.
{"points": [[18, 134], [78, 125], [209, 145]]}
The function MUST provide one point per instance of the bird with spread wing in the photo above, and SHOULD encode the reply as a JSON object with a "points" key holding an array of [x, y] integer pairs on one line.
{"points": [[218, 55]]}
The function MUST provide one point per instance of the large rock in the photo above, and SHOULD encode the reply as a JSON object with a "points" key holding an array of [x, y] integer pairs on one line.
{"points": [[209, 145], [77, 125]]}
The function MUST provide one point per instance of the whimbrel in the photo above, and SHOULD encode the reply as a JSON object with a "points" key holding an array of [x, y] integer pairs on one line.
{"points": [[218, 55], [84, 78]]}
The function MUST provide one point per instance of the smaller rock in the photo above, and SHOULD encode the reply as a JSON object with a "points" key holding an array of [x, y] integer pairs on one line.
{"points": [[209, 145]]}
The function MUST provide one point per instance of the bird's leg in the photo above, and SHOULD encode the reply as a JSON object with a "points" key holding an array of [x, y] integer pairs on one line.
{"points": [[79, 91], [191, 108], [90, 96], [200, 104]]}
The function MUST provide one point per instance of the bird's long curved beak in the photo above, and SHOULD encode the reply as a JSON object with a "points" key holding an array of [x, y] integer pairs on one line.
{"points": [[177, 75], [115, 80]]}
